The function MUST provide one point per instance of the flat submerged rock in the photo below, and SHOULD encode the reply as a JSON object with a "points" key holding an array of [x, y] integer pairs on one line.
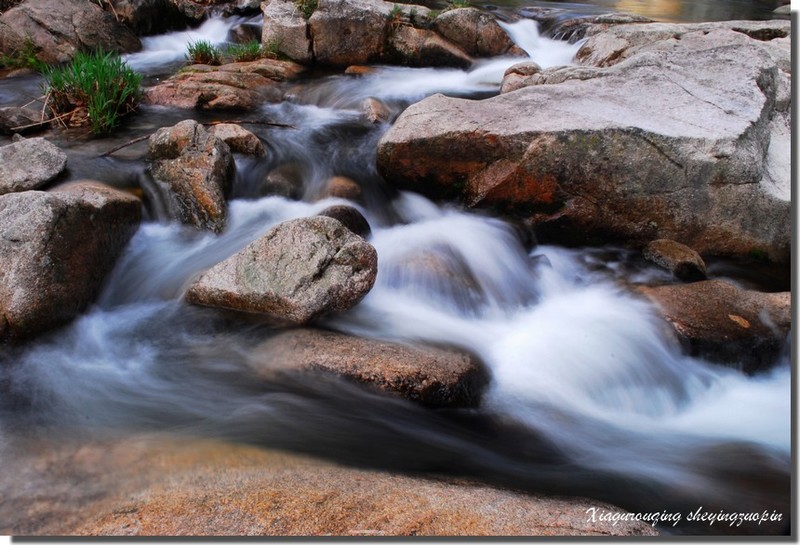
{"points": [[428, 375], [151, 487], [719, 321]]}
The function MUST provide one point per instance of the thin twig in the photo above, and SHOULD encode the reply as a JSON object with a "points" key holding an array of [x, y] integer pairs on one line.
{"points": [[43, 121], [254, 122], [125, 145], [37, 99], [114, 11], [44, 104], [237, 122]]}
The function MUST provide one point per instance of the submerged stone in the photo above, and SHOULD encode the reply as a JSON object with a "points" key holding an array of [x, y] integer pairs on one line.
{"points": [[683, 262], [716, 320], [431, 376]]}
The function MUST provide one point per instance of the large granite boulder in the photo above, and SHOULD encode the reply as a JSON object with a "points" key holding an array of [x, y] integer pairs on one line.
{"points": [[30, 164], [431, 376], [56, 248], [721, 322], [197, 169], [285, 29], [422, 47], [298, 271], [608, 45], [235, 86], [476, 32], [357, 32], [58, 30], [687, 139], [349, 32]]}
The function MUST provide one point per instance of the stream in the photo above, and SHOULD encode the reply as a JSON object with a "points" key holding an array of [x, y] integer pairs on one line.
{"points": [[587, 396]]}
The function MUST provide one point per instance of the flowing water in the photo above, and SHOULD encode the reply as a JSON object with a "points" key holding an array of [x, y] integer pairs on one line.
{"points": [[587, 395]]}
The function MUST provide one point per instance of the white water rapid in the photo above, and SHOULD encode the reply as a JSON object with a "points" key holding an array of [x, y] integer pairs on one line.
{"points": [[165, 51]]}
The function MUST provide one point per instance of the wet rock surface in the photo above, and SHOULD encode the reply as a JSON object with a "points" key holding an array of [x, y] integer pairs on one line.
{"points": [[19, 120], [239, 139], [197, 169], [56, 248], [431, 376], [475, 31], [342, 187], [298, 271], [609, 151], [30, 164], [519, 76], [358, 32], [59, 29], [350, 217], [560, 24], [716, 320], [230, 87], [147, 486], [422, 47], [148, 16], [683, 262], [375, 111], [284, 181]]}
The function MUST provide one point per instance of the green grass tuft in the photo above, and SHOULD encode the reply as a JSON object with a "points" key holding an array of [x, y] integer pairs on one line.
{"points": [[254, 50], [454, 4], [246, 52], [202, 52], [272, 49], [99, 85], [306, 7], [23, 57]]}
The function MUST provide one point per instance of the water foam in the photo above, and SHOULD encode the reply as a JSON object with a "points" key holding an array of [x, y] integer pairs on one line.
{"points": [[162, 52]]}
